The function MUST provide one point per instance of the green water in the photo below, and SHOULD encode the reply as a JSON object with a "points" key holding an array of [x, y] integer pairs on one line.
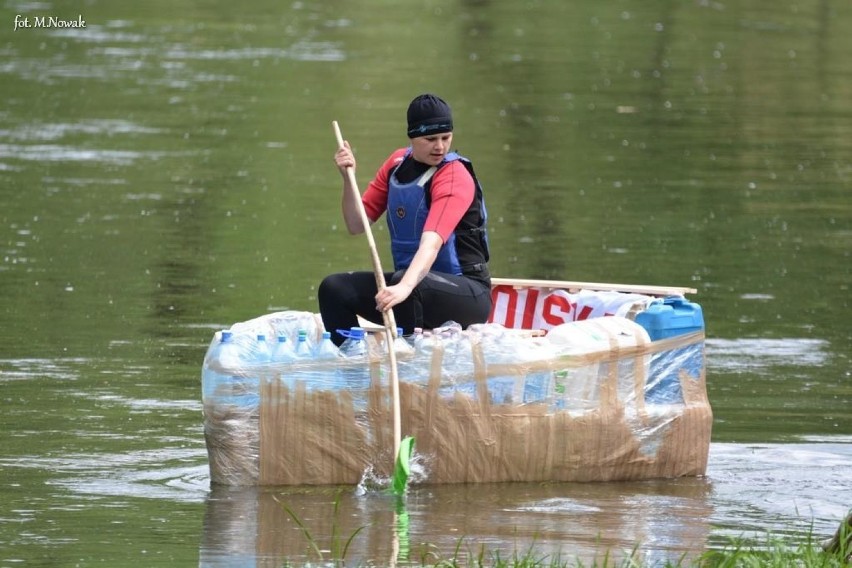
{"points": [[167, 170]]}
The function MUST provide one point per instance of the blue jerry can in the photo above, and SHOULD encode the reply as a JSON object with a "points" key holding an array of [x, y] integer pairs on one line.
{"points": [[672, 317]]}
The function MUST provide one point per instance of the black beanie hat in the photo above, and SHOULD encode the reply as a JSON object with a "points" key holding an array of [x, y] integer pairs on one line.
{"points": [[429, 114]]}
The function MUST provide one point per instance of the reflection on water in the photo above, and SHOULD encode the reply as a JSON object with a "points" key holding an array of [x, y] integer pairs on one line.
{"points": [[567, 520]]}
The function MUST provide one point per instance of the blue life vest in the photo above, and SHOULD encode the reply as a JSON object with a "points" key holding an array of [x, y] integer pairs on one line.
{"points": [[465, 252]]}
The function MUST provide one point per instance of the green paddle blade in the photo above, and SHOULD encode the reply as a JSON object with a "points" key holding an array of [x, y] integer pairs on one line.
{"points": [[403, 466], [401, 528]]}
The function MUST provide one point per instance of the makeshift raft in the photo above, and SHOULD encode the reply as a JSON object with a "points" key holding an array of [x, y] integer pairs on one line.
{"points": [[568, 382]]}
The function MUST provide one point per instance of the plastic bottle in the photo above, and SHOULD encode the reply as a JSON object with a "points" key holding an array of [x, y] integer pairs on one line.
{"points": [[224, 376], [354, 345], [530, 357], [303, 347], [500, 352], [255, 357], [457, 371], [538, 386], [212, 379], [283, 350], [355, 373], [323, 372], [404, 355], [415, 337], [315, 368], [578, 389], [400, 345], [415, 365], [262, 352], [281, 358], [422, 340], [326, 349]]}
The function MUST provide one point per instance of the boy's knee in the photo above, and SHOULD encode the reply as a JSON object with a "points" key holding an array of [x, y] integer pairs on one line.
{"points": [[330, 286]]}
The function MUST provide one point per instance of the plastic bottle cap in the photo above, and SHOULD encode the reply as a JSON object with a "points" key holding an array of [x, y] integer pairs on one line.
{"points": [[352, 333], [227, 334], [326, 335], [282, 338], [261, 337]]}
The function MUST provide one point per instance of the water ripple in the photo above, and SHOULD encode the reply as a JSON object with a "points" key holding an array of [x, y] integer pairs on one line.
{"points": [[303, 50], [174, 474], [58, 153], [54, 131], [790, 483], [22, 369], [748, 355]]}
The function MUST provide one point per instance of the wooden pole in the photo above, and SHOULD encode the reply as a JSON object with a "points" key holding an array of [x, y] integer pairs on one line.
{"points": [[568, 285], [387, 316]]}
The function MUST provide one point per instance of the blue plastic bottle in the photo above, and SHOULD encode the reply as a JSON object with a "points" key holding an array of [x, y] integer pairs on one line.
{"points": [[354, 345]]}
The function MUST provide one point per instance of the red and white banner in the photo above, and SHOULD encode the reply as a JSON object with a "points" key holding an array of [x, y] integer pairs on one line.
{"points": [[544, 308]]}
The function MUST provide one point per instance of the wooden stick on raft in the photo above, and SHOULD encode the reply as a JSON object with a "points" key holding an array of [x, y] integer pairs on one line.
{"points": [[568, 285]]}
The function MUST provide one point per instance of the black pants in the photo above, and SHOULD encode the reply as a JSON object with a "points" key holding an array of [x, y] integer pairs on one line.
{"points": [[438, 298]]}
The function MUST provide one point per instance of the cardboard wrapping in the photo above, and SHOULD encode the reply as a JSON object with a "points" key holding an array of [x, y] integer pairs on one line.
{"points": [[598, 424]]}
